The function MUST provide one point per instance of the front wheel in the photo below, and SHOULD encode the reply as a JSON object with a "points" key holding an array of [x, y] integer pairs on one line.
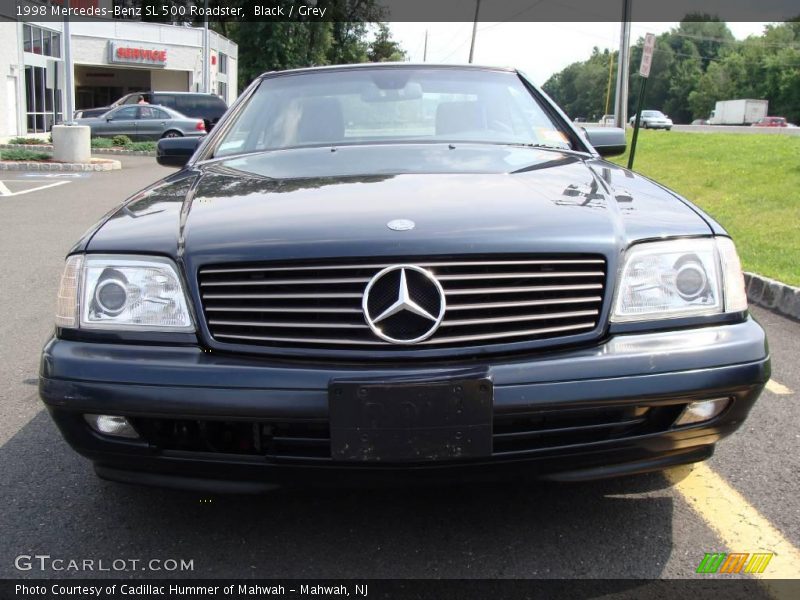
{"points": [[172, 134]]}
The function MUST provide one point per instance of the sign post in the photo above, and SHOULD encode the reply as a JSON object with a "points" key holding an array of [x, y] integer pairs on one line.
{"points": [[644, 71]]}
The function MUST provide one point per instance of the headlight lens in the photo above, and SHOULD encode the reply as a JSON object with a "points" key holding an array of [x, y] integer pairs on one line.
{"points": [[123, 292], [679, 278]]}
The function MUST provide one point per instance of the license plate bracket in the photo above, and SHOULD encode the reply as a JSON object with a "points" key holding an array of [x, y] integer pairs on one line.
{"points": [[411, 421]]}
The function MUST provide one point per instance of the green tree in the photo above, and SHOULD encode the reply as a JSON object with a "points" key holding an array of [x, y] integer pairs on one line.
{"points": [[383, 48]]}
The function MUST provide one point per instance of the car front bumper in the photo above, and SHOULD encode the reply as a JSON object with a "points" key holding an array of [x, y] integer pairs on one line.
{"points": [[578, 413]]}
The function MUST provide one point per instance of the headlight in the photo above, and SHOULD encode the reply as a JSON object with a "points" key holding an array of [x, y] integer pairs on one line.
{"points": [[679, 278], [122, 292]]}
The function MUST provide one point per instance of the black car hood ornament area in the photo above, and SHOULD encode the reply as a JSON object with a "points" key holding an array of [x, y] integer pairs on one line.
{"points": [[404, 304]]}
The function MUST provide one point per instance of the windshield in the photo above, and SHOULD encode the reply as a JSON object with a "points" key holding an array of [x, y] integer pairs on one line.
{"points": [[390, 105], [652, 113]]}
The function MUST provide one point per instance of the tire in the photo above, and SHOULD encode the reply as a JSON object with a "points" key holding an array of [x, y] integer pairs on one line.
{"points": [[171, 134]]}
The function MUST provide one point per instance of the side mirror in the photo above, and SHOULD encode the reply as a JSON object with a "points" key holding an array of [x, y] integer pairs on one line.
{"points": [[109, 119], [176, 152], [608, 141]]}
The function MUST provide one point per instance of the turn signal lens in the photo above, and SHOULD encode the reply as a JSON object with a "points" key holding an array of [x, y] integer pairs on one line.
{"points": [[67, 303], [735, 294]]}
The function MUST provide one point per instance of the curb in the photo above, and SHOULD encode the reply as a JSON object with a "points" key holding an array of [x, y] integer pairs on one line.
{"points": [[49, 148], [106, 165], [777, 296]]}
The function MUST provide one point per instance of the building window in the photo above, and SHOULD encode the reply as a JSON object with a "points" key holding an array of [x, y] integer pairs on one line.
{"points": [[222, 90], [41, 41], [223, 63], [55, 44], [42, 97], [43, 88]]}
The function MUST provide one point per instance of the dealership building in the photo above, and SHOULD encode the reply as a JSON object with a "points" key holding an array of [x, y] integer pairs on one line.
{"points": [[110, 59]]}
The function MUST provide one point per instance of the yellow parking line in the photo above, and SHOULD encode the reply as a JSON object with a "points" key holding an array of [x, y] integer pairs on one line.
{"points": [[778, 388], [739, 525]]}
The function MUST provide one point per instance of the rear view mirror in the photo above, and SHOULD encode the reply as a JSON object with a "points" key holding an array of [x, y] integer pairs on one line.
{"points": [[176, 152], [608, 141], [410, 91]]}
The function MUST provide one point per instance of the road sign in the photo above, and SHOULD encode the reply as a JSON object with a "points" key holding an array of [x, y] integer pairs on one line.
{"points": [[647, 54]]}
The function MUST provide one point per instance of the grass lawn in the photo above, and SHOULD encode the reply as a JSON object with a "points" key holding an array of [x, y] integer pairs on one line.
{"points": [[749, 183]]}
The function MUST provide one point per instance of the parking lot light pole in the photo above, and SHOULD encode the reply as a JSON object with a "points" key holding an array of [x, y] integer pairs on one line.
{"points": [[69, 88], [206, 54]]}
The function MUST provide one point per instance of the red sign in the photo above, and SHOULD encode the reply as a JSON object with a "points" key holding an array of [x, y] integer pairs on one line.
{"points": [[143, 54]]}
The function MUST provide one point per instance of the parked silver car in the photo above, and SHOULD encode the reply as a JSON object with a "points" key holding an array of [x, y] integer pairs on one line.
{"points": [[653, 119], [144, 122]]}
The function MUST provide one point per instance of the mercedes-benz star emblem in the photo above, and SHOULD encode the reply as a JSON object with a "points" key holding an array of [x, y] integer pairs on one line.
{"points": [[400, 224], [404, 304]]}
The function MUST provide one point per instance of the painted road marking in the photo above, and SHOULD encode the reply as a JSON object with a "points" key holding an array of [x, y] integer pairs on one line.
{"points": [[778, 388], [4, 191], [56, 175], [738, 524]]}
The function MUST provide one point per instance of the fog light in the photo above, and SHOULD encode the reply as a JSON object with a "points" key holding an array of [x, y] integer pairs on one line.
{"points": [[697, 412], [111, 425]]}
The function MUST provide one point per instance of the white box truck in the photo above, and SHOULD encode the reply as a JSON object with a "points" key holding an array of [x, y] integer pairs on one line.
{"points": [[738, 112]]}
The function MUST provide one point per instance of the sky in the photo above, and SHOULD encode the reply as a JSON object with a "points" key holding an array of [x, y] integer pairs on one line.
{"points": [[538, 49]]}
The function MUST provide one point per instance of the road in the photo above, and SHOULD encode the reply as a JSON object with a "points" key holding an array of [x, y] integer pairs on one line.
{"points": [[721, 129], [745, 499], [737, 129]]}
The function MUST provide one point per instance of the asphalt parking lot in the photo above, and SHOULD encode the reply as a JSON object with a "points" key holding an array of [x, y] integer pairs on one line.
{"points": [[745, 499]]}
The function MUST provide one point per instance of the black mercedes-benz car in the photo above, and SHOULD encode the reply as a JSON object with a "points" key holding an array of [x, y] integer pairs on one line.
{"points": [[381, 272]]}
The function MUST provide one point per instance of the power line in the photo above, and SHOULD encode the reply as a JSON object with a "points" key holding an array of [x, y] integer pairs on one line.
{"points": [[512, 17], [452, 39]]}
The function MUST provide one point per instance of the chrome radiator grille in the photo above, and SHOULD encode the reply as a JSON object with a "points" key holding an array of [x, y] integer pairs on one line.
{"points": [[318, 304]]}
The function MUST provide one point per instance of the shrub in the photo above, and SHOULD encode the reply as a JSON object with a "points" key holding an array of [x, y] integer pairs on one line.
{"points": [[121, 140], [102, 143], [23, 154], [142, 146], [26, 141]]}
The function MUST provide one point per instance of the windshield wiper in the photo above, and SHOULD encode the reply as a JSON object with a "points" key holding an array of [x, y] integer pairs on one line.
{"points": [[536, 145]]}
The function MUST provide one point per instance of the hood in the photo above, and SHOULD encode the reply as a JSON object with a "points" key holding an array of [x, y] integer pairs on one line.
{"points": [[463, 199]]}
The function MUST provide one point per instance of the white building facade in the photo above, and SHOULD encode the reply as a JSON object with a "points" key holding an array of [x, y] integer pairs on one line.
{"points": [[110, 59]]}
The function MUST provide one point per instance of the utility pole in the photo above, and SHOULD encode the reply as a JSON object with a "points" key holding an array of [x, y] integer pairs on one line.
{"points": [[621, 98], [206, 54], [608, 89], [69, 86], [425, 50], [474, 29]]}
